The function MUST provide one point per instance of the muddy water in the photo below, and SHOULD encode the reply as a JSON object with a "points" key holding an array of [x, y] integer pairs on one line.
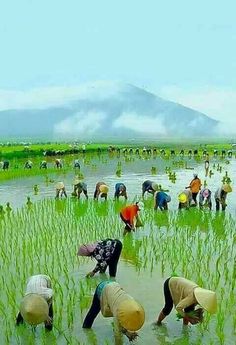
{"points": [[135, 170], [144, 285]]}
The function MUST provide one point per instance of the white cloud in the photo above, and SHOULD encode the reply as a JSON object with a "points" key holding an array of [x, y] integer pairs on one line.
{"points": [[80, 124], [56, 96], [140, 123]]}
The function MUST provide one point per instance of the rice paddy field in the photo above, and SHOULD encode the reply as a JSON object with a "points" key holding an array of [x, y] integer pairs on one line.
{"points": [[44, 238]]}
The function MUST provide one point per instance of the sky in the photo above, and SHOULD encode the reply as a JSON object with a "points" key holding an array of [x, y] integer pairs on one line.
{"points": [[182, 50]]}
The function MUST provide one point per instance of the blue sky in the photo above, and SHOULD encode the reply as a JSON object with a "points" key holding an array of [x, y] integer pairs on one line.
{"points": [[181, 49]]}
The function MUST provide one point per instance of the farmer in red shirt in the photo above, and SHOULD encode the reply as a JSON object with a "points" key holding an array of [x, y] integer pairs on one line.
{"points": [[129, 215]]}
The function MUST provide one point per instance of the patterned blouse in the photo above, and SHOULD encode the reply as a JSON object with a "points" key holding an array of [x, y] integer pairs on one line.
{"points": [[103, 253]]}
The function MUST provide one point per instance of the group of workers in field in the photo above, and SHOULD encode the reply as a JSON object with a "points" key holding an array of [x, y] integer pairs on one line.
{"points": [[189, 299], [187, 198]]}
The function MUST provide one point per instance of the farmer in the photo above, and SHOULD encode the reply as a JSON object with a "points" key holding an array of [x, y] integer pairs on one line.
{"points": [[185, 199], [129, 215], [120, 190], [58, 163], [113, 301], [106, 252], [205, 198], [101, 189], [160, 200], [185, 295], [5, 165], [60, 190], [195, 186], [36, 306], [149, 187], [8, 207], [80, 187], [43, 165], [207, 165], [76, 164], [28, 165], [220, 196], [29, 203]]}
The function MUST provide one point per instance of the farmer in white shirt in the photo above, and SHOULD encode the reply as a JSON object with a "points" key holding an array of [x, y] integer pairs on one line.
{"points": [[36, 306]]}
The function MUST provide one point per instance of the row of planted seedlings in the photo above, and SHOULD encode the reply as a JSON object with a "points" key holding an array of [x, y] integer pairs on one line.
{"points": [[200, 246], [197, 245], [45, 239]]}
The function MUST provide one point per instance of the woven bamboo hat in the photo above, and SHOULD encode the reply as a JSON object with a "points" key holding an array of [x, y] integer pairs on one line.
{"points": [[131, 315], [34, 309]]}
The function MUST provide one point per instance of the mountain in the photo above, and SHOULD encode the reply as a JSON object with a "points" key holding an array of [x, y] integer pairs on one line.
{"points": [[102, 110]]}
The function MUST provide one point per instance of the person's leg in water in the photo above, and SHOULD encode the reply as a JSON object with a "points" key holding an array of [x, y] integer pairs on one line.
{"points": [[113, 262], [93, 311], [168, 303], [49, 325]]}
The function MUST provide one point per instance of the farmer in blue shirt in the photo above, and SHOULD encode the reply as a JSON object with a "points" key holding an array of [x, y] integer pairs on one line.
{"points": [[160, 200], [120, 190]]}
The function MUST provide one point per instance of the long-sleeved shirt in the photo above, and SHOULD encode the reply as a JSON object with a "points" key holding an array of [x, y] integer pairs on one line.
{"points": [[195, 185], [161, 199], [103, 253], [129, 213], [202, 198], [120, 189], [40, 284], [182, 293]]}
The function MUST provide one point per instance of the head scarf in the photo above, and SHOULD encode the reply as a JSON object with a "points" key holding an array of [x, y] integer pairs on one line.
{"points": [[87, 249]]}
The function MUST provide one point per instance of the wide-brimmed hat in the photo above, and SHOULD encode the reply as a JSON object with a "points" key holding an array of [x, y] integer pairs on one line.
{"points": [[76, 181], [131, 315], [140, 205], [87, 249], [206, 299], [168, 198], [60, 185], [205, 193], [155, 186], [182, 198], [104, 189], [34, 309], [227, 188]]}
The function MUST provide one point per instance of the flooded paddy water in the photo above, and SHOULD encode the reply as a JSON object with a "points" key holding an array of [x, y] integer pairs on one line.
{"points": [[199, 245]]}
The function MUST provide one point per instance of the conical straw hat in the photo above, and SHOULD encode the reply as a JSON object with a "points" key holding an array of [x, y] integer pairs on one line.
{"points": [[104, 189], [182, 198], [206, 299], [154, 186], [227, 188], [34, 309], [131, 315], [60, 185]]}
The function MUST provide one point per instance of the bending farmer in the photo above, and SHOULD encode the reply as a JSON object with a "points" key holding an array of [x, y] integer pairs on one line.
{"points": [[185, 295], [160, 200], [106, 252], [36, 306], [113, 301]]}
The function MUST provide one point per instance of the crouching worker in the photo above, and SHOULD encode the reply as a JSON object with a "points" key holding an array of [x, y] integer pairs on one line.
{"points": [[80, 187], [221, 195], [130, 217], [205, 198], [160, 200], [185, 199], [36, 306], [102, 190], [149, 187], [185, 295], [120, 190], [106, 252], [60, 190], [113, 301]]}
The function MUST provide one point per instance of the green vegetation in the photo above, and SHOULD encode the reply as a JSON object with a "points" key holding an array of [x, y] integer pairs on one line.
{"points": [[44, 238]]}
